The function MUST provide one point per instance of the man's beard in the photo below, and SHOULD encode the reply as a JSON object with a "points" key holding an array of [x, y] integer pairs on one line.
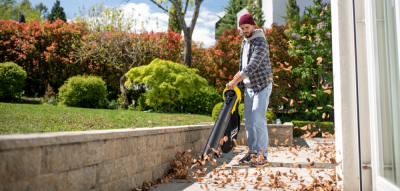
{"points": [[250, 34]]}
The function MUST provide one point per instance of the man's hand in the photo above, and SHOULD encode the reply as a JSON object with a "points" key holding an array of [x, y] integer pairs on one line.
{"points": [[236, 79], [231, 85]]}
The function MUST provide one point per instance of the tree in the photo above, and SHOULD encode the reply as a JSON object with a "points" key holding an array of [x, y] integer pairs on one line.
{"points": [[57, 12], [229, 20], [167, 81], [42, 9], [255, 10], [9, 10], [181, 10], [173, 22], [110, 42], [292, 11]]}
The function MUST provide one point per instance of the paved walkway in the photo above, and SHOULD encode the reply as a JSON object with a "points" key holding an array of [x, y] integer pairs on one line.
{"points": [[281, 159]]}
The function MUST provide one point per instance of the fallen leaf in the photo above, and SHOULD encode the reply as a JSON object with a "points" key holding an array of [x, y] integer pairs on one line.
{"points": [[323, 116], [304, 37], [313, 95], [306, 110], [273, 130], [171, 147], [319, 108], [322, 13], [319, 60], [291, 102], [328, 91], [276, 141], [295, 127], [286, 99], [286, 63]]}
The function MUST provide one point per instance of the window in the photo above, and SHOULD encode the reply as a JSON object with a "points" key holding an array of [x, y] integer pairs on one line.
{"points": [[388, 94]]}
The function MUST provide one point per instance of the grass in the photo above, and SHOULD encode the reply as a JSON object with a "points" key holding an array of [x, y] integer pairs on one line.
{"points": [[18, 118]]}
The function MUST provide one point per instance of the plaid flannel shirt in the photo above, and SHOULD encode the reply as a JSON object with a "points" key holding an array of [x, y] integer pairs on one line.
{"points": [[258, 68]]}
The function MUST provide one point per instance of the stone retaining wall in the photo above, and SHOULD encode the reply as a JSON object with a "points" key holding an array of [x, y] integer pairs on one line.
{"points": [[117, 159]]}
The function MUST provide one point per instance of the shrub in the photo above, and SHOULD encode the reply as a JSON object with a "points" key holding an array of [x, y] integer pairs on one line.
{"points": [[167, 82], [84, 91], [215, 111], [12, 80], [315, 126], [270, 114], [201, 102]]}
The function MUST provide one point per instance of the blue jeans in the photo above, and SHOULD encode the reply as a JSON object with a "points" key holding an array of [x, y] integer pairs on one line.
{"points": [[255, 109]]}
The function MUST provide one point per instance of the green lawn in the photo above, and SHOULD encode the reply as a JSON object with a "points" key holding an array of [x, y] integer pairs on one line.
{"points": [[35, 118]]}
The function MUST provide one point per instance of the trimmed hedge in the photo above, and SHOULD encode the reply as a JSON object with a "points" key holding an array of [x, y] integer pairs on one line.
{"points": [[324, 126], [84, 91], [12, 81], [270, 114]]}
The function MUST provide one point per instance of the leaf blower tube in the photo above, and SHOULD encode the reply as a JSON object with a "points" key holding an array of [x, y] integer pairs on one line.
{"points": [[226, 126]]}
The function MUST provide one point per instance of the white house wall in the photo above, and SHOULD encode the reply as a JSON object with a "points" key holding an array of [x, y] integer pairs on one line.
{"points": [[274, 9], [345, 98]]}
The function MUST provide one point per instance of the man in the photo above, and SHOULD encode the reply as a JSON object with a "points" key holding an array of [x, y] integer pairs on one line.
{"points": [[256, 79]]}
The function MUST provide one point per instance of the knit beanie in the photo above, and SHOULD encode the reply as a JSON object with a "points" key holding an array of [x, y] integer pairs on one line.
{"points": [[246, 19]]}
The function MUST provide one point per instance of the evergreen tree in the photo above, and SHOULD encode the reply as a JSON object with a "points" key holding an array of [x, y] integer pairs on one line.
{"points": [[173, 22], [292, 11], [230, 20], [57, 12], [255, 10], [9, 10]]}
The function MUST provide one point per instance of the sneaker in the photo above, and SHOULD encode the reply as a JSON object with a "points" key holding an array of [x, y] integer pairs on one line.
{"points": [[260, 162], [247, 158]]}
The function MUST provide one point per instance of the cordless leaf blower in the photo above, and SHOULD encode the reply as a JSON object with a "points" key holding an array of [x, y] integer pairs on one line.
{"points": [[227, 125]]}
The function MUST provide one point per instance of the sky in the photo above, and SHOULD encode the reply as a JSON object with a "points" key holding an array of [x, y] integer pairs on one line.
{"points": [[156, 19]]}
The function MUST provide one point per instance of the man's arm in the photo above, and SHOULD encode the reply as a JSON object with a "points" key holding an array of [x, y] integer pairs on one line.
{"points": [[236, 79]]}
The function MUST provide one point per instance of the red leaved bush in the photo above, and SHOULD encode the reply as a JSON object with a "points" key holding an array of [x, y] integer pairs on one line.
{"points": [[219, 63], [44, 51]]}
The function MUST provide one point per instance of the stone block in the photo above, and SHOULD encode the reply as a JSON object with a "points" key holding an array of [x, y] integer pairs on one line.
{"points": [[142, 177], [175, 138], [11, 186], [120, 168], [19, 164], [98, 151], [141, 144], [157, 173], [131, 165], [48, 182], [105, 173], [61, 157], [125, 147], [80, 179], [121, 185]]}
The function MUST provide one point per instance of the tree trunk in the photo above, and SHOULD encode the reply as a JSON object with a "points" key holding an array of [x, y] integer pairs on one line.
{"points": [[188, 51], [122, 88]]}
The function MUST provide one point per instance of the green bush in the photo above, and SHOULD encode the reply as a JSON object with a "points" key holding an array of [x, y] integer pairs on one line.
{"points": [[270, 114], [215, 111], [12, 81], [324, 126], [84, 91], [201, 102], [166, 81]]}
